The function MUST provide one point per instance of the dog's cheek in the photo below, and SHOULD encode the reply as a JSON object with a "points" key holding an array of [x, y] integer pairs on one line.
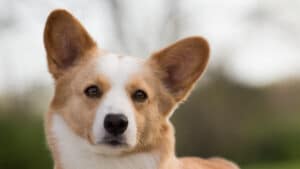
{"points": [[140, 121], [79, 117], [152, 124], [73, 120]]}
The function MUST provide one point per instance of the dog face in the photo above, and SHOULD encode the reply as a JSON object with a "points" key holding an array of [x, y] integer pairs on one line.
{"points": [[117, 104]]}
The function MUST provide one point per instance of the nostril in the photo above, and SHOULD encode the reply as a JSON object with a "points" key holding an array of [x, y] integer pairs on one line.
{"points": [[123, 123], [115, 124], [108, 124]]}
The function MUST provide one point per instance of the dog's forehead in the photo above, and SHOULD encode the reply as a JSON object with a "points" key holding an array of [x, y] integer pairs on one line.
{"points": [[119, 69]]}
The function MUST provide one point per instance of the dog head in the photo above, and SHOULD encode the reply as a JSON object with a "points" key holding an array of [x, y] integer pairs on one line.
{"points": [[117, 104]]}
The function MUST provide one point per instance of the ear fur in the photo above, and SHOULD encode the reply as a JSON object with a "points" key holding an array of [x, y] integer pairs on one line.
{"points": [[66, 41], [181, 64]]}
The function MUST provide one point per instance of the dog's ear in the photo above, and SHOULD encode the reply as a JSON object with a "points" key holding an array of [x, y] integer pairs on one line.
{"points": [[66, 41], [181, 64]]}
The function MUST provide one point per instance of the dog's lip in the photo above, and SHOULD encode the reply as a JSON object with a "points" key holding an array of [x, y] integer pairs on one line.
{"points": [[113, 141]]}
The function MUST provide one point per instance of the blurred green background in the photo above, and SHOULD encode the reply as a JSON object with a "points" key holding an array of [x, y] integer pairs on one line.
{"points": [[246, 107]]}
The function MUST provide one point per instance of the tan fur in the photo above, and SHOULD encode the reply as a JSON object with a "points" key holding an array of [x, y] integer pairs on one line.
{"points": [[74, 69], [65, 41], [182, 64]]}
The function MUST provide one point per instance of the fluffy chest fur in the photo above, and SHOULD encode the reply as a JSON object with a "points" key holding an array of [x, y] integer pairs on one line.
{"points": [[75, 152]]}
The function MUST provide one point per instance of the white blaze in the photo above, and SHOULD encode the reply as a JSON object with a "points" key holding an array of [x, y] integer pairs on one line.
{"points": [[118, 70]]}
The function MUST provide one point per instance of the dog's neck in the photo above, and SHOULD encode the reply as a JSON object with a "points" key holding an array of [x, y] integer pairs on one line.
{"points": [[70, 154]]}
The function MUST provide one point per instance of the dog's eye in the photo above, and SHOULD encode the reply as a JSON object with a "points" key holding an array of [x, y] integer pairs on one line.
{"points": [[93, 91], [139, 95]]}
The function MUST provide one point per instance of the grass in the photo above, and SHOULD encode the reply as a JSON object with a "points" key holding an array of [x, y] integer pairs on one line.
{"points": [[276, 165]]}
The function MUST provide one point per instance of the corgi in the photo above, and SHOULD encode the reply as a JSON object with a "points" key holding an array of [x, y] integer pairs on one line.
{"points": [[112, 111]]}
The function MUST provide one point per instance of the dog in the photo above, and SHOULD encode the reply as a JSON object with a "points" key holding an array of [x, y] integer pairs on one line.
{"points": [[112, 111]]}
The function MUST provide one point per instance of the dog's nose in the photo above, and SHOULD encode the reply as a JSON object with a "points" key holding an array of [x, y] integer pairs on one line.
{"points": [[115, 124]]}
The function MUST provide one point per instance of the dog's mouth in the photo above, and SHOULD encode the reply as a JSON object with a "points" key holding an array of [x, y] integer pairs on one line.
{"points": [[114, 141], [110, 145]]}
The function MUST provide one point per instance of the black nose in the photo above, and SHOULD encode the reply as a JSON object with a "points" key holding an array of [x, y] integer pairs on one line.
{"points": [[115, 124]]}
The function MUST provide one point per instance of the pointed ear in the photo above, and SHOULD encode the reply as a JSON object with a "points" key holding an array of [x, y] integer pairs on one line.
{"points": [[181, 64], [66, 41]]}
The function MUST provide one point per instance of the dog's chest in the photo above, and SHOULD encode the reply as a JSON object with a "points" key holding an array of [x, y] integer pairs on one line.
{"points": [[140, 161]]}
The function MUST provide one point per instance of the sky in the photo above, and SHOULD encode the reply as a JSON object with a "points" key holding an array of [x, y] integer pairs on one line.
{"points": [[256, 42]]}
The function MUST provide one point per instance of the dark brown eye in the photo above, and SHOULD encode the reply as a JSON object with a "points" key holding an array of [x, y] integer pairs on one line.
{"points": [[93, 91], [139, 95]]}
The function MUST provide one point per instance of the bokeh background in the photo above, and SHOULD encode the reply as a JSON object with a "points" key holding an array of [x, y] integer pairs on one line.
{"points": [[245, 108]]}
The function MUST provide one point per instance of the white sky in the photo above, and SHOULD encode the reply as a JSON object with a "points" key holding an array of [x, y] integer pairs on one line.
{"points": [[256, 41]]}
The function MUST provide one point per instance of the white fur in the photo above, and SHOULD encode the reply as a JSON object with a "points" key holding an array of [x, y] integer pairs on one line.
{"points": [[77, 153], [118, 70]]}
